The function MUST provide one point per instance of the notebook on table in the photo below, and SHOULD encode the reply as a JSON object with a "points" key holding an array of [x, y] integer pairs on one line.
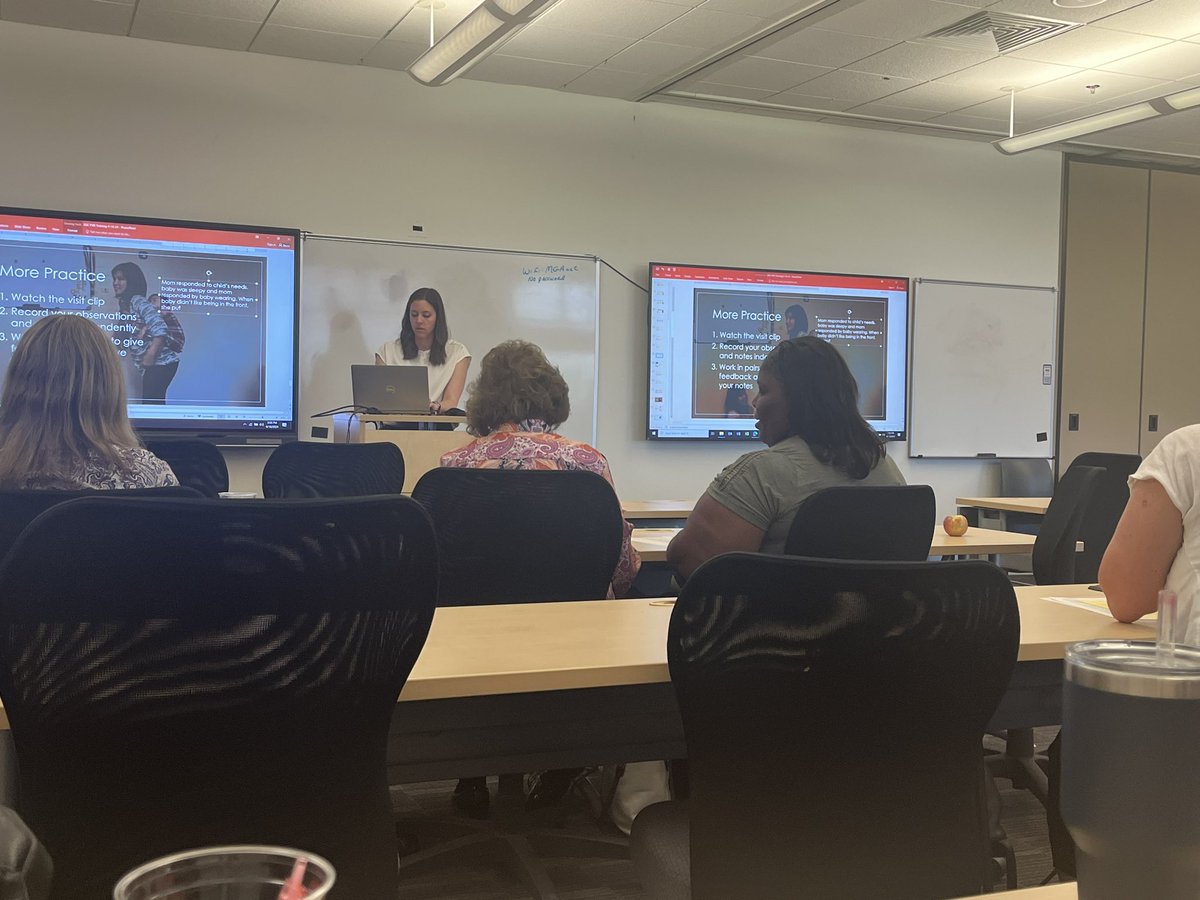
{"points": [[391, 390]]}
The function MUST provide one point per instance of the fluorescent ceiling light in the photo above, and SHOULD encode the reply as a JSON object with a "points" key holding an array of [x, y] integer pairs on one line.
{"points": [[472, 39], [1184, 99], [1113, 118]]}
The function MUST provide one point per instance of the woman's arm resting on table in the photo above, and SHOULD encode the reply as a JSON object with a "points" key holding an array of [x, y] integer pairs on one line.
{"points": [[455, 387], [710, 531], [1138, 558]]}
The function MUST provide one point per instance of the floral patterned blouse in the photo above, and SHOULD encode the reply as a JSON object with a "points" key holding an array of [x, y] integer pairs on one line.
{"points": [[532, 445], [141, 469]]}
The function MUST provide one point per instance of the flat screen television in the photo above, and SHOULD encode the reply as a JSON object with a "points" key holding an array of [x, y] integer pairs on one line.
{"points": [[711, 327], [219, 301]]}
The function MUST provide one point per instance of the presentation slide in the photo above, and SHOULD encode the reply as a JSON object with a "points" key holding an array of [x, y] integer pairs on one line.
{"points": [[711, 328], [203, 317]]}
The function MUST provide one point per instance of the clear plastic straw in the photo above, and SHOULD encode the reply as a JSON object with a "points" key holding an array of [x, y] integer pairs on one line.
{"points": [[1168, 606]]}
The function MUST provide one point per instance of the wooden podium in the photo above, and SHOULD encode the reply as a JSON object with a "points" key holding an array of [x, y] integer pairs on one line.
{"points": [[422, 449]]}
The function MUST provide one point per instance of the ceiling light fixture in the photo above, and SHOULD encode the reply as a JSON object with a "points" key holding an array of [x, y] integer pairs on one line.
{"points": [[1183, 100], [1064, 131], [472, 39]]}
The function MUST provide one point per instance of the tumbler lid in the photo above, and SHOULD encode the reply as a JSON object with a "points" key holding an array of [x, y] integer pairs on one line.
{"points": [[1134, 668]]}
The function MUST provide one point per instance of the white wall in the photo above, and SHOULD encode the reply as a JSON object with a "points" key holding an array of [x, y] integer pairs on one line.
{"points": [[111, 124]]}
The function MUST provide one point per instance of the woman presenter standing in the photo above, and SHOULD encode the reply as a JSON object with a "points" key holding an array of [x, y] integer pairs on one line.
{"points": [[425, 341]]}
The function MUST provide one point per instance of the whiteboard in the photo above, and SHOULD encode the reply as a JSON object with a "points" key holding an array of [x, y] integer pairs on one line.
{"points": [[983, 370], [353, 294]]}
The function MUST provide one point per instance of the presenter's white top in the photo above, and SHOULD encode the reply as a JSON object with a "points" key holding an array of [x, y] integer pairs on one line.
{"points": [[1175, 464], [392, 354]]}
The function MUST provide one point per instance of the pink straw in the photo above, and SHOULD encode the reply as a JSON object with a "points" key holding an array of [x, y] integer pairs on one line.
{"points": [[293, 888]]}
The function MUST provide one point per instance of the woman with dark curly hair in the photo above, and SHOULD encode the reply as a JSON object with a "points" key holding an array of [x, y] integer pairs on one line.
{"points": [[516, 404], [807, 408]]}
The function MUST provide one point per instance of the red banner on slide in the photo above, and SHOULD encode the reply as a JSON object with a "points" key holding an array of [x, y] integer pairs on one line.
{"points": [[134, 231], [792, 279]]}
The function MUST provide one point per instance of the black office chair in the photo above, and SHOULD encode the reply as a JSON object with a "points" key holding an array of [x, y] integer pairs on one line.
{"points": [[786, 671], [188, 673], [197, 464], [308, 469], [522, 536], [1054, 553], [1107, 498], [893, 522], [19, 508]]}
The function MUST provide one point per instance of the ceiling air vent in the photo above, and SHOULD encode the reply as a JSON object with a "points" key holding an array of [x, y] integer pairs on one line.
{"points": [[998, 32]]}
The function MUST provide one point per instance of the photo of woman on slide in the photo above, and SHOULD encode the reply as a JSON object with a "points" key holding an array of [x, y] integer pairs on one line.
{"points": [[795, 321], [425, 341], [153, 358]]}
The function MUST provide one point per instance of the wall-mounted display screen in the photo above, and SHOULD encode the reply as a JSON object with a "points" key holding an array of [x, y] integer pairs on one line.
{"points": [[711, 328], [203, 316]]}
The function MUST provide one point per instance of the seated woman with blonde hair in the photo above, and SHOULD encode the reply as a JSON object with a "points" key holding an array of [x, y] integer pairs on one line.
{"points": [[64, 424]]}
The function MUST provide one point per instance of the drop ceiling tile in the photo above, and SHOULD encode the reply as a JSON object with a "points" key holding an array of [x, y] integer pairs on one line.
{"points": [[369, 18], [1027, 108], [897, 20], [982, 123], [654, 58], [605, 82], [1088, 47], [81, 15], [924, 62], [818, 47], [1044, 9], [729, 90], [414, 27], [857, 86], [808, 101], [530, 72], [707, 28], [580, 48], [394, 55], [1005, 71], [1177, 61], [940, 96], [885, 110], [625, 18], [1111, 85], [768, 9], [766, 74], [325, 46], [245, 10], [203, 31], [1162, 18]]}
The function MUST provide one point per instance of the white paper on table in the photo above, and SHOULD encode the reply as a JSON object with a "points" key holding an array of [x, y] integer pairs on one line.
{"points": [[1095, 604]]}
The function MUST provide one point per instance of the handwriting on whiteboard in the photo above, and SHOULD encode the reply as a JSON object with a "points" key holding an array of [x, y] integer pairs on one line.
{"points": [[539, 274]]}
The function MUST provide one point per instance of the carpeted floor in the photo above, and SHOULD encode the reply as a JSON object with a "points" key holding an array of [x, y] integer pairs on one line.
{"points": [[424, 812]]}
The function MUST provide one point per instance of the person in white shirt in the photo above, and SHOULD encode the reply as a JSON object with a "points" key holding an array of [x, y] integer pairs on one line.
{"points": [[1157, 542], [425, 341]]}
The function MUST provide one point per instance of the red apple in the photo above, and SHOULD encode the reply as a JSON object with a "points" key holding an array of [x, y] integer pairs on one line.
{"points": [[955, 526]]}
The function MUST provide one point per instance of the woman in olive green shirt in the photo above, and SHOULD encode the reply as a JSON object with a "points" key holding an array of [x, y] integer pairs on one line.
{"points": [[807, 408]]}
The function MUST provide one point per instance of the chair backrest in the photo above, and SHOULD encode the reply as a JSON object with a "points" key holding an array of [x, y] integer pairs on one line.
{"points": [[522, 535], [1026, 478], [788, 671], [307, 469], [189, 673], [1054, 554], [19, 508], [1109, 495], [894, 522], [197, 464]]}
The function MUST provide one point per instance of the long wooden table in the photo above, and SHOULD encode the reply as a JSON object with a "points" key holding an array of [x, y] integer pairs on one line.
{"points": [[651, 543], [554, 685], [657, 509], [1034, 505], [1067, 891]]}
